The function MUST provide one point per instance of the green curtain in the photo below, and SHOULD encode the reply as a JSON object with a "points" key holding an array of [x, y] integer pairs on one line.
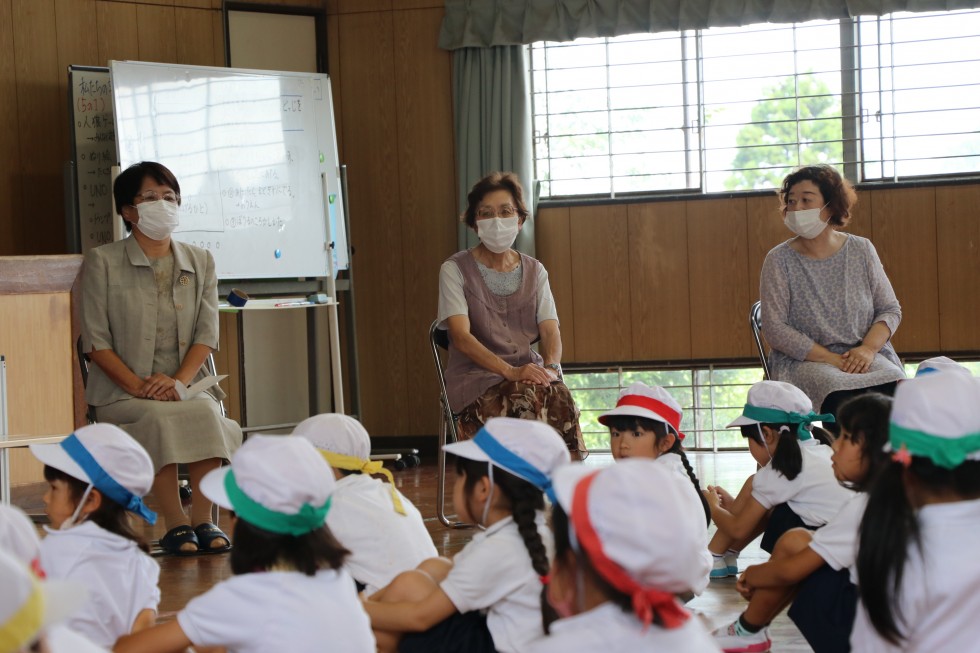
{"points": [[484, 23], [492, 105]]}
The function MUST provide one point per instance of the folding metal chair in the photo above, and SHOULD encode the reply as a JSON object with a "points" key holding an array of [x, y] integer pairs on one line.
{"points": [[755, 321], [439, 341]]}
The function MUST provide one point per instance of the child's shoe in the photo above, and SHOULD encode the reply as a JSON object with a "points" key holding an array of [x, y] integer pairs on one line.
{"points": [[719, 567], [730, 640], [731, 559]]}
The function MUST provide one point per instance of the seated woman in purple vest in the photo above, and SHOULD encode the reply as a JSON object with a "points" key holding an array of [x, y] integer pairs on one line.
{"points": [[496, 302]]}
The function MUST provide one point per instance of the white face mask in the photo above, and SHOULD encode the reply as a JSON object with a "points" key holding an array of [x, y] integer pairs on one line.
{"points": [[157, 219], [498, 234], [805, 224]]}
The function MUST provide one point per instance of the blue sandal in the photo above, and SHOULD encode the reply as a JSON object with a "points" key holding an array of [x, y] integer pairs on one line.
{"points": [[177, 537], [206, 534]]}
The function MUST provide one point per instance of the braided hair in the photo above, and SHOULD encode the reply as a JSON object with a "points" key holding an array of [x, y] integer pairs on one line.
{"points": [[660, 431]]}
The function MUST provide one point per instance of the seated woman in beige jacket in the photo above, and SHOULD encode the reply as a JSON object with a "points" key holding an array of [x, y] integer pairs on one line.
{"points": [[149, 321]]}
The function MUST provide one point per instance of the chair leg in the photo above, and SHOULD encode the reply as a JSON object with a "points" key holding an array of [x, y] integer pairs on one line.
{"points": [[441, 490]]}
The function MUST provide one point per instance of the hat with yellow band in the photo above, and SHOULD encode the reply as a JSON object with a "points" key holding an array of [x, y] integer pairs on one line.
{"points": [[28, 605], [277, 483], [345, 444], [937, 416]]}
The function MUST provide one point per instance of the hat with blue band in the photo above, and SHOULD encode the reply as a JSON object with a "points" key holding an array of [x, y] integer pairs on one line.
{"points": [[528, 449], [109, 459]]}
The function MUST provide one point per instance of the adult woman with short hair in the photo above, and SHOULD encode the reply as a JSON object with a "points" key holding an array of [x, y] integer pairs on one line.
{"points": [[496, 302], [828, 309], [149, 321]]}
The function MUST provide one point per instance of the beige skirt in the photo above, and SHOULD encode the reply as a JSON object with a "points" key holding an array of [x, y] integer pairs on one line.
{"points": [[175, 431]]}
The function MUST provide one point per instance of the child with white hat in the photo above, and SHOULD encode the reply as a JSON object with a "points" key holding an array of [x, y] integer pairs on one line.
{"points": [[373, 520], [794, 487], [625, 545], [96, 477], [917, 555], [941, 364], [289, 591], [18, 538], [30, 608], [488, 597]]}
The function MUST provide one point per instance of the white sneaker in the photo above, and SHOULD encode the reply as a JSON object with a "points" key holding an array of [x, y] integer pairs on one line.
{"points": [[719, 567], [730, 642], [731, 560]]}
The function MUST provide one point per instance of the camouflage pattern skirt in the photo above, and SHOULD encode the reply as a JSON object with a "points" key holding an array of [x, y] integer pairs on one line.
{"points": [[551, 404]]}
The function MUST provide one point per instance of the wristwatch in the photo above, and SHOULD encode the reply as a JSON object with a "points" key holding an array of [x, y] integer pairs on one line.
{"points": [[556, 367]]}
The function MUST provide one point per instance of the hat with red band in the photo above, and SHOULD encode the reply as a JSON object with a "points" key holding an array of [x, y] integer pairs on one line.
{"points": [[641, 400], [631, 521]]}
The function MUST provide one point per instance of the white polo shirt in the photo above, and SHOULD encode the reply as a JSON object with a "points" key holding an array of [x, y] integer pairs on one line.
{"points": [[608, 629], [62, 640], [939, 597], [493, 573], [673, 462], [814, 495], [120, 578], [382, 542], [280, 611], [837, 542]]}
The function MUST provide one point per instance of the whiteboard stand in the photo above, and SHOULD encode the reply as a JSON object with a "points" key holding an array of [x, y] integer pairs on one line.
{"points": [[4, 454], [353, 368]]}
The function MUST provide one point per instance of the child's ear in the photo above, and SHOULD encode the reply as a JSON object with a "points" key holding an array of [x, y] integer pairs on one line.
{"points": [[770, 434], [93, 502], [667, 443]]}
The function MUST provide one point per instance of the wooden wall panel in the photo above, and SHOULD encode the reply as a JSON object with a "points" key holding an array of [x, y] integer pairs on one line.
{"points": [[426, 185], [369, 115], [958, 240], [117, 38], [336, 85], [38, 102], [218, 38], [356, 6], [766, 230], [157, 30], [554, 250], [11, 230], [718, 269], [601, 283], [904, 224], [195, 37], [861, 223], [660, 306]]}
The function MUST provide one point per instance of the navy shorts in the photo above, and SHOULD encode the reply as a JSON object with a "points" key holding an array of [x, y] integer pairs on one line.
{"points": [[824, 610], [781, 519], [461, 633]]}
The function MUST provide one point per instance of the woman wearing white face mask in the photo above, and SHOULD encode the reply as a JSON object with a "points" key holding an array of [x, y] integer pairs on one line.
{"points": [[149, 320], [495, 303], [828, 309]]}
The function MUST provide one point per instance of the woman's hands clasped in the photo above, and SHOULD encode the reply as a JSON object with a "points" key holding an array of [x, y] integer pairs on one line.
{"points": [[531, 373], [159, 387], [857, 360]]}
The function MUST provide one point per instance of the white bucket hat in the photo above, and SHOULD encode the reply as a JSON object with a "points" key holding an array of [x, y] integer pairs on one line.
{"points": [[18, 537], [941, 363], [108, 459], [641, 400], [29, 605], [526, 448], [631, 520], [776, 402], [278, 483], [345, 444], [937, 416]]}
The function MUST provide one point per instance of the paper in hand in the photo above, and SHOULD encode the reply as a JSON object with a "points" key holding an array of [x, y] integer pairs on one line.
{"points": [[195, 389]]}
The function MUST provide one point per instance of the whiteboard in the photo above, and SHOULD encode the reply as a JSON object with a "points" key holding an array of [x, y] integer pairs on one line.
{"points": [[93, 153], [255, 153]]}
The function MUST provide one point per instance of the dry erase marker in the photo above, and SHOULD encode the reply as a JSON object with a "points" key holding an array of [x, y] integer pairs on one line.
{"points": [[294, 304]]}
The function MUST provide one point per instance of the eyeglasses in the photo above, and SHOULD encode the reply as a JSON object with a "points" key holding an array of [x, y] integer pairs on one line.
{"points": [[153, 196], [505, 211]]}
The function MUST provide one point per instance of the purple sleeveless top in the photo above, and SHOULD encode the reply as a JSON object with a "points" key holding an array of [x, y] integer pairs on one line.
{"points": [[505, 325]]}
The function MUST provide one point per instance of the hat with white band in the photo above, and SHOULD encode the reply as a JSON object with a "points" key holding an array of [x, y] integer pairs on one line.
{"points": [[278, 483], [937, 416], [650, 402], [777, 402], [107, 458]]}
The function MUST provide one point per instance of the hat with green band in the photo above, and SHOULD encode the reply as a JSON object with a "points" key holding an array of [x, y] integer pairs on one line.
{"points": [[937, 416], [776, 402], [278, 483]]}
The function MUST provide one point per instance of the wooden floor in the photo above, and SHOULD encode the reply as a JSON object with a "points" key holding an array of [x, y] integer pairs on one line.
{"points": [[184, 578]]}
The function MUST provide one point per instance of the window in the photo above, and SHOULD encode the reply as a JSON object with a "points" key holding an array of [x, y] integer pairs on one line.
{"points": [[709, 397], [729, 109]]}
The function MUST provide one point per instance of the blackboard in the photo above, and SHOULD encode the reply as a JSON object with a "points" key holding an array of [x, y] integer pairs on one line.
{"points": [[256, 156], [93, 143]]}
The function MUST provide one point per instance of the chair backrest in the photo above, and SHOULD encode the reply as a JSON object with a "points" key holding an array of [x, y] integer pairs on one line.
{"points": [[439, 342], [755, 321]]}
